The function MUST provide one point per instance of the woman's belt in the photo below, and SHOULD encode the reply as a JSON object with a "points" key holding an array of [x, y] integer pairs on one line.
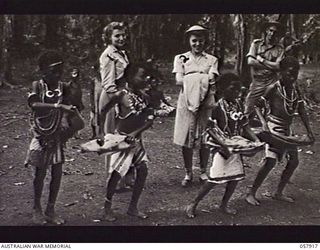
{"points": [[194, 72]]}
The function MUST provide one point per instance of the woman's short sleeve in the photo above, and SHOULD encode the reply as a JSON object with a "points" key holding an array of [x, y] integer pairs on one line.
{"points": [[253, 49], [177, 65], [214, 66]]}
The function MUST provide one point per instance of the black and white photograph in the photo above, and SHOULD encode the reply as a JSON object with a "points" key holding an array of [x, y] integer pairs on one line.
{"points": [[159, 120]]}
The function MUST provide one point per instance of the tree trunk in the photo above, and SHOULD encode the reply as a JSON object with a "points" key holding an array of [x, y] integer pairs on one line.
{"points": [[6, 45], [292, 26], [241, 66], [52, 24]]}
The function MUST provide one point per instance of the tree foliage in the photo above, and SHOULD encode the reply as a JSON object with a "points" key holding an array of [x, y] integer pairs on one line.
{"points": [[150, 36]]}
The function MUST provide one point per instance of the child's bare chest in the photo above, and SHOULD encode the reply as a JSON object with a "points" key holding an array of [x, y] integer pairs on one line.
{"points": [[284, 103]]}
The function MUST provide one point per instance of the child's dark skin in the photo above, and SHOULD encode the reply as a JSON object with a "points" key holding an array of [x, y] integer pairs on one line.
{"points": [[133, 126], [51, 76], [230, 94], [288, 78]]}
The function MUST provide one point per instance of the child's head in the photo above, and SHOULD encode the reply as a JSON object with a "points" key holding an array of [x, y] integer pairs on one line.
{"points": [[51, 65], [136, 75], [229, 86], [289, 69]]}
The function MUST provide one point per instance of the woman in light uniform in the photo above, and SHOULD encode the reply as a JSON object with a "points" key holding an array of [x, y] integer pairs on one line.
{"points": [[195, 72], [113, 61]]}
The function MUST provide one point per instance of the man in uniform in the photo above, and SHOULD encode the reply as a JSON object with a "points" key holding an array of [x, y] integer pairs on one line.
{"points": [[264, 57]]}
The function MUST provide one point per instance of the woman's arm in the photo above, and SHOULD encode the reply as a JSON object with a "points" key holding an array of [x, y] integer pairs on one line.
{"points": [[179, 79], [178, 70], [108, 73], [114, 99]]}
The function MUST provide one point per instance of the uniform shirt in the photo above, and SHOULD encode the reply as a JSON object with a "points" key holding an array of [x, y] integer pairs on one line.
{"points": [[273, 53], [186, 63], [113, 62]]}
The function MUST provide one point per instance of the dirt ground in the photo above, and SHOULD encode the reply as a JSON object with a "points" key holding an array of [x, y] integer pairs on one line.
{"points": [[80, 200]]}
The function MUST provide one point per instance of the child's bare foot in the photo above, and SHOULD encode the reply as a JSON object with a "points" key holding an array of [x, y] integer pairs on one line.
{"points": [[136, 213], [108, 213], [38, 218], [252, 200], [191, 211], [281, 197], [51, 216], [228, 210], [56, 220], [109, 216]]}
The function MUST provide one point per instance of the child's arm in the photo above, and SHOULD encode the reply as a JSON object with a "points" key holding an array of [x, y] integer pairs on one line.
{"points": [[305, 119], [252, 136], [262, 103], [262, 119], [138, 132], [41, 105], [35, 103], [303, 114]]}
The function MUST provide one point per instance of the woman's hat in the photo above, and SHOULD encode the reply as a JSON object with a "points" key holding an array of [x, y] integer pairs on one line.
{"points": [[196, 28]]}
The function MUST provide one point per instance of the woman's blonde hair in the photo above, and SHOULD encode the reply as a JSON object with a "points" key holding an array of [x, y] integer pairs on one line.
{"points": [[107, 30]]}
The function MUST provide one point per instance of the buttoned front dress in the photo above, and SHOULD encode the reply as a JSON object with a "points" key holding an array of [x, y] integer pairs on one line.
{"points": [[191, 121]]}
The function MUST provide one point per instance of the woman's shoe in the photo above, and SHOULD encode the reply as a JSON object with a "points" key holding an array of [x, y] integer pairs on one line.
{"points": [[187, 180], [203, 177]]}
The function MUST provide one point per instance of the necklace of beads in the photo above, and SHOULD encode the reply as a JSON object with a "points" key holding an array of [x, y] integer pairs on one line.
{"points": [[231, 110], [54, 115], [288, 103]]}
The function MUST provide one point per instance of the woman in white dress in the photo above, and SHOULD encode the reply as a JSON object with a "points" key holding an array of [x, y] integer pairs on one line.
{"points": [[195, 72]]}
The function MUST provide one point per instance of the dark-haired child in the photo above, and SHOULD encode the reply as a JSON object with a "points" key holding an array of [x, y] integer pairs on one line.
{"points": [[50, 126], [284, 100], [134, 116], [230, 119]]}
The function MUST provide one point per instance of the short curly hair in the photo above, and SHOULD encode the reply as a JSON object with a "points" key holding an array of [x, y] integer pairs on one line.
{"points": [[107, 30], [49, 58], [225, 80]]}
